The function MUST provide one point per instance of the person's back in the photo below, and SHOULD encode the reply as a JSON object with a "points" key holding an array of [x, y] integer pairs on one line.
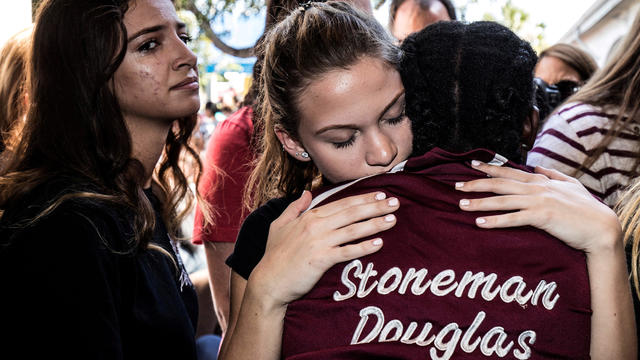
{"points": [[441, 286]]}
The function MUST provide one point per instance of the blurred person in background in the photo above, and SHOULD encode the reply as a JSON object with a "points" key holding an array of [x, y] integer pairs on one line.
{"points": [[409, 16], [14, 58], [595, 135], [208, 121], [561, 70]]}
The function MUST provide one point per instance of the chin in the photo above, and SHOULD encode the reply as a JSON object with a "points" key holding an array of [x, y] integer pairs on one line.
{"points": [[186, 109]]}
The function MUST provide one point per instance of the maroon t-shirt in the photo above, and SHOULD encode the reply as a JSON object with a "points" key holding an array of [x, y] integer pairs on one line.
{"points": [[227, 166], [442, 288]]}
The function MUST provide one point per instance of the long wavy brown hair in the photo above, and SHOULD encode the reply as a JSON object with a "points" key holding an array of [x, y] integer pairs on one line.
{"points": [[313, 40], [13, 82], [628, 209], [619, 81], [616, 88], [75, 129]]}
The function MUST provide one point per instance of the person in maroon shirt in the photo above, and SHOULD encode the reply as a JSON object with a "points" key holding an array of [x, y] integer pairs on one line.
{"points": [[301, 247]]}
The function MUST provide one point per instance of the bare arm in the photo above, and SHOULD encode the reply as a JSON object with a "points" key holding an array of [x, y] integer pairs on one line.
{"points": [[299, 250], [560, 205], [219, 274]]}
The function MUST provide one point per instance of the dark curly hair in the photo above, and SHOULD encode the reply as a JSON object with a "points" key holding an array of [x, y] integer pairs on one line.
{"points": [[468, 86]]}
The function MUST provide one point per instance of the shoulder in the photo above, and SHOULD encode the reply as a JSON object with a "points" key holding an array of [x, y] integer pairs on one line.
{"points": [[577, 126], [240, 122], [80, 221], [581, 115], [252, 238], [231, 139], [255, 227], [267, 213]]}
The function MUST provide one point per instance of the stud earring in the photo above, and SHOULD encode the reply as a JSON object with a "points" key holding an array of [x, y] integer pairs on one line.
{"points": [[304, 154]]}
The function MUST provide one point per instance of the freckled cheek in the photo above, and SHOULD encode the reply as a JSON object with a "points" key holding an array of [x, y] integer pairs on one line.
{"points": [[149, 82]]}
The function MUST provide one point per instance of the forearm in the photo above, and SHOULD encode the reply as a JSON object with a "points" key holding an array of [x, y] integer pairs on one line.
{"points": [[257, 333], [613, 333], [219, 274]]}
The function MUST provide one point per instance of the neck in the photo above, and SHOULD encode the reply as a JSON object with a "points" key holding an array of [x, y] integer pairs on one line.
{"points": [[148, 137]]}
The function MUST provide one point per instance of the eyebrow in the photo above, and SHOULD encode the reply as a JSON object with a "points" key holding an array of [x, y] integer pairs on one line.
{"points": [[389, 105], [151, 29], [348, 126]]}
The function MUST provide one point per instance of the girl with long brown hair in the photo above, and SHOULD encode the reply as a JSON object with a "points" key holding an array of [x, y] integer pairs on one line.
{"points": [[227, 165], [306, 56], [595, 135], [90, 196]]}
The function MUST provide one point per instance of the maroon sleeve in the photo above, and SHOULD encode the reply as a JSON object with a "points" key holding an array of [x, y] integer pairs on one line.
{"points": [[226, 169]]}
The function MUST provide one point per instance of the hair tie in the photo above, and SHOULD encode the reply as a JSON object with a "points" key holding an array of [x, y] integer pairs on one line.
{"points": [[304, 6], [307, 4]]}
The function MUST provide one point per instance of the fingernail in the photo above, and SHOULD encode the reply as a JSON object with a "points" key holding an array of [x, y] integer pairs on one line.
{"points": [[464, 202], [475, 163], [393, 202], [377, 242], [381, 196], [389, 218], [480, 221], [459, 184]]}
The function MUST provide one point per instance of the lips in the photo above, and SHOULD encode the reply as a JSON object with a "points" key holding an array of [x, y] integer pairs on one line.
{"points": [[188, 83]]}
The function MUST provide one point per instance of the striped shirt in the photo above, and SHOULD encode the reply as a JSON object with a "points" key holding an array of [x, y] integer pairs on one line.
{"points": [[572, 134]]}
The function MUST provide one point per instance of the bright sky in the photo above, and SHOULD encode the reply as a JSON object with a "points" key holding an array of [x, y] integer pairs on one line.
{"points": [[558, 15], [15, 15]]}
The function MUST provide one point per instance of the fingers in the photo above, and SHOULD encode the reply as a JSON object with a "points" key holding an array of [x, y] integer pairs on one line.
{"points": [[494, 185], [363, 229], [360, 213], [501, 171], [520, 218], [353, 251], [348, 202], [554, 174], [496, 203], [295, 208]]}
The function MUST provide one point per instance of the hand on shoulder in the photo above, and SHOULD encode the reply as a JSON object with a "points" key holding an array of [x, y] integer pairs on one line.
{"points": [[546, 199], [302, 246]]}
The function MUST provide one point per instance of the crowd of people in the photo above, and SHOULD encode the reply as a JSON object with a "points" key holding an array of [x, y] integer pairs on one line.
{"points": [[431, 190]]}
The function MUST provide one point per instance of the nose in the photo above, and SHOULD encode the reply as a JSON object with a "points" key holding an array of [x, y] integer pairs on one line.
{"points": [[184, 57], [381, 150]]}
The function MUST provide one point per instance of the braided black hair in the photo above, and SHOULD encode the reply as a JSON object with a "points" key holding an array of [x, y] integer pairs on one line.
{"points": [[468, 86]]}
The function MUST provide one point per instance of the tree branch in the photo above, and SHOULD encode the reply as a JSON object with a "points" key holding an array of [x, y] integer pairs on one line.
{"points": [[208, 31]]}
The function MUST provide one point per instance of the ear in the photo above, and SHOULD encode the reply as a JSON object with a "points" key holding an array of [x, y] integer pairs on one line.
{"points": [[530, 128], [290, 145]]}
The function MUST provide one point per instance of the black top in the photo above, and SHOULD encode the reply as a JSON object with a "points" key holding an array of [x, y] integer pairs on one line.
{"points": [[69, 291], [253, 235]]}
